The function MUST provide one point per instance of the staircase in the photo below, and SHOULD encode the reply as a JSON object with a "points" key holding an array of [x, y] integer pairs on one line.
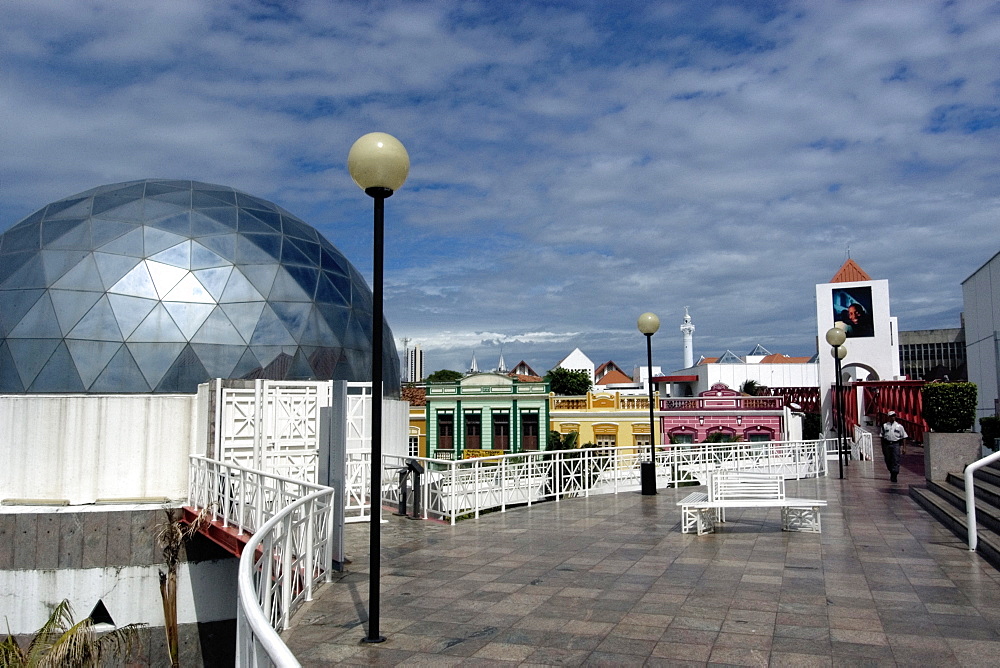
{"points": [[946, 502]]}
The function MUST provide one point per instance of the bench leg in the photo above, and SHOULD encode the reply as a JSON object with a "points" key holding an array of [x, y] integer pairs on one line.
{"points": [[800, 519], [706, 520]]}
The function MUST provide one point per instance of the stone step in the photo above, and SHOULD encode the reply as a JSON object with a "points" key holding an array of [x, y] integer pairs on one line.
{"points": [[932, 498], [987, 487]]}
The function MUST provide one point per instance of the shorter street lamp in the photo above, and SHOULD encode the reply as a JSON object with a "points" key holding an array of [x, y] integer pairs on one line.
{"points": [[379, 164], [836, 336], [648, 324]]}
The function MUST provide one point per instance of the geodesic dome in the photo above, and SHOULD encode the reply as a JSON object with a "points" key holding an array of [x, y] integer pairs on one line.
{"points": [[159, 285]]}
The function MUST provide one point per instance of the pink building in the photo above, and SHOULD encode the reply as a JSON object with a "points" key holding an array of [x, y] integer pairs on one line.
{"points": [[728, 412]]}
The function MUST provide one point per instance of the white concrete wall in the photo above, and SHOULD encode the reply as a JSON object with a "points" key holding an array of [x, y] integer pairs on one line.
{"points": [[83, 448], [981, 303]]}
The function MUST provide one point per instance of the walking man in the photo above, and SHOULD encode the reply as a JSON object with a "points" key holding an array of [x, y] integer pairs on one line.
{"points": [[893, 435]]}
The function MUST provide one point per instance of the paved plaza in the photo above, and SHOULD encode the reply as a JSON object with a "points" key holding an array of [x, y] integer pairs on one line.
{"points": [[610, 580]]}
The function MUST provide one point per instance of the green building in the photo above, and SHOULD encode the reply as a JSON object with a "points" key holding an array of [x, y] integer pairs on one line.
{"points": [[486, 414]]}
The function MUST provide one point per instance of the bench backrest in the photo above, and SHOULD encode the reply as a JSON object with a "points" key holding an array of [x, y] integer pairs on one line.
{"points": [[742, 485]]}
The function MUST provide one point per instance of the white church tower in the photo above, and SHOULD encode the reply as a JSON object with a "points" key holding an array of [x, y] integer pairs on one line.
{"points": [[687, 329]]}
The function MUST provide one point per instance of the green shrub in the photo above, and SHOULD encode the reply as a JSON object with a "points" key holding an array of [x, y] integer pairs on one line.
{"points": [[812, 426], [950, 407], [990, 428]]}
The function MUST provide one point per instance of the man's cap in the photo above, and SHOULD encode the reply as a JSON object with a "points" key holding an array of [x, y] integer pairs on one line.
{"points": [[891, 413]]}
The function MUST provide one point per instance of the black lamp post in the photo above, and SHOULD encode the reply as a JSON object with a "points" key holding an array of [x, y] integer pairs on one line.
{"points": [[379, 165], [836, 336], [648, 324]]}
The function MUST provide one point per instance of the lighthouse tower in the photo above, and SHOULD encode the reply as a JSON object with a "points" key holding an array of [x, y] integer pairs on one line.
{"points": [[687, 329]]}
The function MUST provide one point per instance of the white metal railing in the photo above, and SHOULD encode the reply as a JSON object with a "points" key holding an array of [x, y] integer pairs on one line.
{"points": [[970, 497], [861, 446], [451, 489], [289, 553]]}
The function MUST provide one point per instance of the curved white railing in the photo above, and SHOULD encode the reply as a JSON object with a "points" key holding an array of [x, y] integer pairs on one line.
{"points": [[970, 497]]}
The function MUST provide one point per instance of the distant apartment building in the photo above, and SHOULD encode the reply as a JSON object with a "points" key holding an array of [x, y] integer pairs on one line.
{"points": [[415, 364], [933, 354]]}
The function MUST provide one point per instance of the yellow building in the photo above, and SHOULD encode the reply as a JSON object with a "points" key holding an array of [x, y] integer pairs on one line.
{"points": [[603, 418]]}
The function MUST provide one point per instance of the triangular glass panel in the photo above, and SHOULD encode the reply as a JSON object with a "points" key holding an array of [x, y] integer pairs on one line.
{"points": [[324, 361], [326, 293], [293, 227], [244, 316], [58, 262], [203, 226], [729, 358], [299, 369], [176, 256], [16, 303], [248, 365], [278, 368], [249, 252], [177, 198], [84, 276], [189, 317], [336, 317], [130, 189], [157, 326], [76, 207], [294, 284], [103, 231], [265, 356], [251, 224], [38, 323], [224, 196], [130, 311], [122, 374], [271, 331], [334, 262], [214, 280], [223, 244], [260, 275], [91, 357], [155, 359], [58, 375], [71, 305], [29, 356], [157, 209], [72, 233], [190, 290], [165, 277], [250, 202], [316, 332], [290, 254], [155, 240], [130, 243], [361, 297], [99, 324], [10, 263], [270, 218], [356, 335], [218, 330], [759, 350], [310, 250], [23, 237], [117, 208], [10, 381], [238, 289], [185, 374], [113, 267], [30, 275], [223, 215], [202, 258], [219, 361], [294, 315], [105, 201], [136, 283]]}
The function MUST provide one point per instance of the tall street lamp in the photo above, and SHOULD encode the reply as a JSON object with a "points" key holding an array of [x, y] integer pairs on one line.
{"points": [[379, 165], [836, 336], [648, 324]]}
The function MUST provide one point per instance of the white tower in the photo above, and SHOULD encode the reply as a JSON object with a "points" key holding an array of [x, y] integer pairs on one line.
{"points": [[415, 364], [687, 329], [473, 368]]}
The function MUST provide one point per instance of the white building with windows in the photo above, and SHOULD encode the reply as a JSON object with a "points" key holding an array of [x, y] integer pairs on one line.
{"points": [[981, 300]]}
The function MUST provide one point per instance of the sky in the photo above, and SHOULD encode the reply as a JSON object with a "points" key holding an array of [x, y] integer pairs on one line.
{"points": [[573, 164]]}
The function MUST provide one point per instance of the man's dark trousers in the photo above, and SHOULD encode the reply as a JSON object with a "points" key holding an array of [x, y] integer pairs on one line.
{"points": [[890, 450]]}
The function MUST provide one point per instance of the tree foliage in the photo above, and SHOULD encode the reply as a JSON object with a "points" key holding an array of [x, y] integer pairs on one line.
{"points": [[444, 376], [950, 407], [752, 387], [569, 382], [558, 441], [61, 643]]}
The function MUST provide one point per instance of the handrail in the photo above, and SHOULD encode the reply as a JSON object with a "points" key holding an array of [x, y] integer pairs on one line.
{"points": [[970, 497], [862, 445]]}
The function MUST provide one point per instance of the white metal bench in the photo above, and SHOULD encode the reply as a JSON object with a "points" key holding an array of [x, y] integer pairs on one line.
{"points": [[740, 489]]}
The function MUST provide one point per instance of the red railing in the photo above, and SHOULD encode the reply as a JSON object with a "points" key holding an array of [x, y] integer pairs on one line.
{"points": [[902, 396]]}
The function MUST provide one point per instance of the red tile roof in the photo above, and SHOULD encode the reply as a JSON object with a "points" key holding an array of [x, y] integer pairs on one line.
{"points": [[614, 377], [784, 359], [850, 272]]}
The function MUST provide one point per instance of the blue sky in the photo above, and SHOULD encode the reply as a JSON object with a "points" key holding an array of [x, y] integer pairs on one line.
{"points": [[574, 164]]}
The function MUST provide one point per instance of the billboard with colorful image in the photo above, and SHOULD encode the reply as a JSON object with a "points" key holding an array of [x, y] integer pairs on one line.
{"points": [[853, 307]]}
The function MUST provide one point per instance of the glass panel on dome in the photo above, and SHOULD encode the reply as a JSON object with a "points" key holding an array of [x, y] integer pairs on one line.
{"points": [[73, 207], [201, 198], [108, 201], [287, 289], [309, 249], [83, 276], [247, 366], [118, 208], [327, 293], [317, 332], [130, 189], [244, 316], [22, 238], [239, 289], [121, 374], [361, 297], [293, 227], [99, 324], [67, 233], [103, 231], [223, 244], [130, 311], [292, 255], [293, 315], [57, 262], [157, 326], [227, 196], [71, 305], [216, 220], [250, 224], [31, 274], [38, 323], [260, 275], [185, 374], [9, 264], [299, 369], [185, 184], [165, 277], [334, 262], [249, 252], [155, 359], [130, 243], [270, 330], [179, 224], [214, 280], [30, 355], [250, 202], [269, 218], [137, 283], [16, 304], [356, 335], [219, 330], [180, 198], [189, 317], [113, 267], [177, 256], [58, 375], [10, 381], [265, 355], [219, 361]]}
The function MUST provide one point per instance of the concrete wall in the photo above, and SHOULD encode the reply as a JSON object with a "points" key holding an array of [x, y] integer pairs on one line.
{"points": [[85, 448], [981, 301]]}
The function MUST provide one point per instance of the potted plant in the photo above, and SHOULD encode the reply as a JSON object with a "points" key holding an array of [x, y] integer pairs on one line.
{"points": [[950, 412]]}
